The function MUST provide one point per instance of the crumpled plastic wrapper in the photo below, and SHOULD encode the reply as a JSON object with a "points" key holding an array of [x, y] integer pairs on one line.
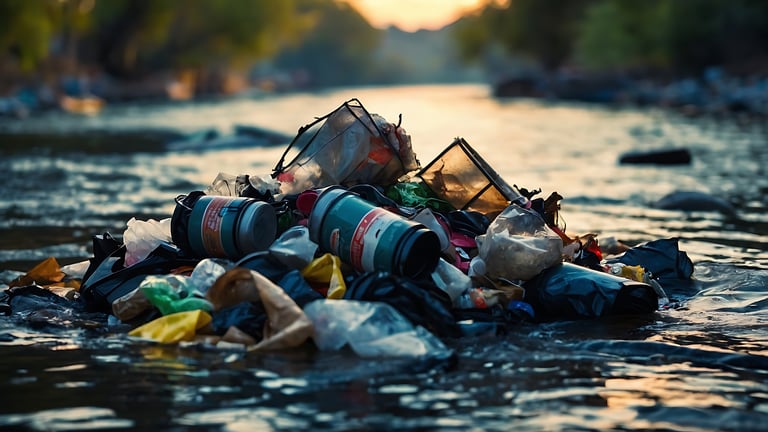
{"points": [[287, 326], [142, 237], [234, 185], [518, 245]]}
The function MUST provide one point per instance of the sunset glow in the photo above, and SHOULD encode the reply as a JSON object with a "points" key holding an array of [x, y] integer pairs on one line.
{"points": [[412, 15]]}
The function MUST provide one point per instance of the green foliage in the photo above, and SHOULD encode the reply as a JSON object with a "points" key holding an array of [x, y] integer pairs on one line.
{"points": [[674, 35], [27, 29], [128, 37], [619, 34], [473, 35], [160, 34]]}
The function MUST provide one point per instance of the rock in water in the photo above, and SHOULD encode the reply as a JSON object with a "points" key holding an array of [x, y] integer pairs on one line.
{"points": [[658, 157], [694, 201]]}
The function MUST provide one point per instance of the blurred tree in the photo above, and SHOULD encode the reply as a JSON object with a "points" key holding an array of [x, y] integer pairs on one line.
{"points": [[474, 36], [33, 32], [619, 34], [663, 35], [340, 48], [703, 33], [680, 36], [27, 28], [26, 32], [544, 30], [135, 36]]}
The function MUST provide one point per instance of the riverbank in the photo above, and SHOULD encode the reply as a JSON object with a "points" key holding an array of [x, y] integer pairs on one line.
{"points": [[713, 93]]}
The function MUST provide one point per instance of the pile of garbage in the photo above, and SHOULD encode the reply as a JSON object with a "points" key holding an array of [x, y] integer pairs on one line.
{"points": [[350, 242]]}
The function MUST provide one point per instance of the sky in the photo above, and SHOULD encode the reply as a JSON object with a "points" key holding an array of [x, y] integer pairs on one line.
{"points": [[412, 15]]}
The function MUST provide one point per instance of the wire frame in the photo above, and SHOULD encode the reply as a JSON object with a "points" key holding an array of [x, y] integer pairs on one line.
{"points": [[302, 142], [462, 177]]}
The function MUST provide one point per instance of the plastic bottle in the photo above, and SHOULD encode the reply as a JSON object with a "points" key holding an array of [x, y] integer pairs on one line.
{"points": [[371, 238], [222, 227]]}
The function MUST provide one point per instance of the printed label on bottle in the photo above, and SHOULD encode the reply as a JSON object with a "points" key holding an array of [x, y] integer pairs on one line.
{"points": [[362, 248], [333, 241], [210, 229]]}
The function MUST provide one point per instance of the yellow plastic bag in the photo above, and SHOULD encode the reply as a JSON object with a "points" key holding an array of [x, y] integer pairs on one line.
{"points": [[174, 327], [324, 274]]}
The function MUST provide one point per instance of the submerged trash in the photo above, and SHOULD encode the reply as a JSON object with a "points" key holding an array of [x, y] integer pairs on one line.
{"points": [[569, 291]]}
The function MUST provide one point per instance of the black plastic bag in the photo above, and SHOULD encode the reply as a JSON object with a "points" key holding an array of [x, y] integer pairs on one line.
{"points": [[249, 317], [264, 263], [569, 291], [668, 265], [104, 246], [110, 280], [663, 258], [298, 289]]}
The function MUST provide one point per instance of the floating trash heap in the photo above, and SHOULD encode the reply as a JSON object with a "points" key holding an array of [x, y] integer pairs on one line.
{"points": [[350, 242]]}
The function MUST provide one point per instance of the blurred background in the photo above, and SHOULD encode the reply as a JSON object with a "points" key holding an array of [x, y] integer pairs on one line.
{"points": [[77, 55], [109, 109]]}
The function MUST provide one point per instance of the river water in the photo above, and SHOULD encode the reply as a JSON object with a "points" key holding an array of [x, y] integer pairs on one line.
{"points": [[702, 366]]}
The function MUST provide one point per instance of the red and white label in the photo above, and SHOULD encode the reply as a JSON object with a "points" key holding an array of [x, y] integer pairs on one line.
{"points": [[362, 248], [210, 229]]}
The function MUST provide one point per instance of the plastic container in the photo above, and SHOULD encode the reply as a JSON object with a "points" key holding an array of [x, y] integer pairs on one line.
{"points": [[222, 227], [371, 238]]}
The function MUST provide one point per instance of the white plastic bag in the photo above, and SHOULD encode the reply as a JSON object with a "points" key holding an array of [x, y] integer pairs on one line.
{"points": [[294, 248], [372, 329], [231, 185], [450, 279], [518, 245], [142, 237]]}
